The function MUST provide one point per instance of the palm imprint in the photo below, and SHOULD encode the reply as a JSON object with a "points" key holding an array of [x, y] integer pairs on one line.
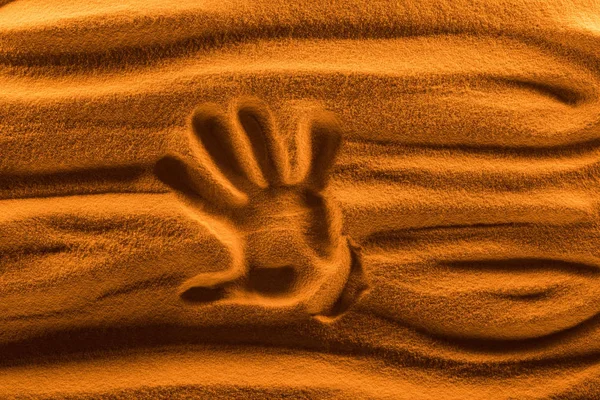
{"points": [[288, 234]]}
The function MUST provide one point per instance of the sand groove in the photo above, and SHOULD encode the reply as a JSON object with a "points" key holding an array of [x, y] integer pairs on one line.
{"points": [[132, 179]]}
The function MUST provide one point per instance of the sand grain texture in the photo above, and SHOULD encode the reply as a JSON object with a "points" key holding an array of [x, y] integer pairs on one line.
{"points": [[300, 199]]}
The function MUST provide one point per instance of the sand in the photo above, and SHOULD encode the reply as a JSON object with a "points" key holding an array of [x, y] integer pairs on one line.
{"points": [[300, 199]]}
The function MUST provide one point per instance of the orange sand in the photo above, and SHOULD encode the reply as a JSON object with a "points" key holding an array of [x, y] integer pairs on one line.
{"points": [[314, 199]]}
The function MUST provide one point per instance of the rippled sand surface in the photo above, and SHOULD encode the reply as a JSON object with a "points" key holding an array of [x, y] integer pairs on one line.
{"points": [[312, 199]]}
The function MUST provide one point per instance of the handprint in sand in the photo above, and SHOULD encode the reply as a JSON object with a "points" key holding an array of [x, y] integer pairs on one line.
{"points": [[286, 232]]}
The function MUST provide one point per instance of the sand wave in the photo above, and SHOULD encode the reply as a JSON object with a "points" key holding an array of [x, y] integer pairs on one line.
{"points": [[516, 96], [29, 26], [178, 373]]}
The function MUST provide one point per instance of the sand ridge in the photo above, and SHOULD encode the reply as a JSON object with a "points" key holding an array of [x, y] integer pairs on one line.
{"points": [[366, 199]]}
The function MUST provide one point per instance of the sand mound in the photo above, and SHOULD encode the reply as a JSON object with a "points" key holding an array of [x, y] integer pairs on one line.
{"points": [[313, 199]]}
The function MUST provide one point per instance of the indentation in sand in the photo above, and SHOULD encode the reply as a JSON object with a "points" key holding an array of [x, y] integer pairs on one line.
{"points": [[240, 170]]}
